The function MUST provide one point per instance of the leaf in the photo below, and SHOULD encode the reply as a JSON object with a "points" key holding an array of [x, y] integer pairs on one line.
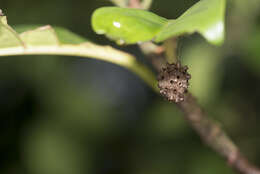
{"points": [[65, 36], [8, 37], [49, 40], [130, 26], [40, 36], [205, 17], [126, 25]]}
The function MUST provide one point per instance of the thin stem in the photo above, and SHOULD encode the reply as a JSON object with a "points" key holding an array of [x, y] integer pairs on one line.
{"points": [[210, 132], [89, 50], [170, 46]]}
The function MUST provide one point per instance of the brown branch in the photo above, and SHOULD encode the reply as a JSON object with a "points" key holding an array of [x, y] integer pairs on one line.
{"points": [[209, 131], [214, 136]]}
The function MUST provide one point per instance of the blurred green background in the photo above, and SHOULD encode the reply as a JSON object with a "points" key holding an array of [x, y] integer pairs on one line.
{"points": [[70, 115]]}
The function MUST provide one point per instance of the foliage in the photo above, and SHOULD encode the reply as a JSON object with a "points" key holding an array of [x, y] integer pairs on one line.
{"points": [[128, 26]]}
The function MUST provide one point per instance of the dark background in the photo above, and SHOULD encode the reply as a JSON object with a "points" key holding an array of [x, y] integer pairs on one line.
{"points": [[70, 115]]}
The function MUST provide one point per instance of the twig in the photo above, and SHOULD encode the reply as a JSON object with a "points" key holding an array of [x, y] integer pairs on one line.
{"points": [[209, 131], [170, 46]]}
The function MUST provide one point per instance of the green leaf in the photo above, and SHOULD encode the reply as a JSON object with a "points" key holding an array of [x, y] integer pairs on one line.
{"points": [[205, 17], [65, 36], [40, 36], [126, 25], [47, 40], [8, 37], [130, 26]]}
